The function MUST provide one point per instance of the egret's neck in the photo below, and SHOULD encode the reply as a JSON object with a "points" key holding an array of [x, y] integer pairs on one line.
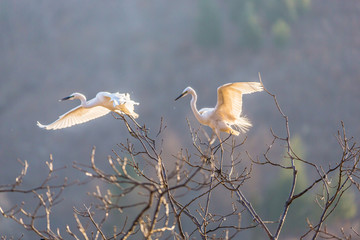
{"points": [[194, 108], [82, 98]]}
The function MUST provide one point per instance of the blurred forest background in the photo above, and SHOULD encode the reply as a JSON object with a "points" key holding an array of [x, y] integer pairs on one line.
{"points": [[307, 51]]}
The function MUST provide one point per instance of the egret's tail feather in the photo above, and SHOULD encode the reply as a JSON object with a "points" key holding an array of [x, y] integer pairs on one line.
{"points": [[243, 124]]}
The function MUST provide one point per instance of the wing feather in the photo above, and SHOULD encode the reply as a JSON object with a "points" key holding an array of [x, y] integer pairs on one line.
{"points": [[246, 87], [75, 116], [229, 103]]}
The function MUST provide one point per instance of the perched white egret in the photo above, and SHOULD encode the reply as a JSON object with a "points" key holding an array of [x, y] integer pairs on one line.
{"points": [[102, 104], [226, 116]]}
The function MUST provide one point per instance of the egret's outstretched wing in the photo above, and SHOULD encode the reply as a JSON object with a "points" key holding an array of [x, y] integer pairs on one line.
{"points": [[229, 102], [76, 116], [246, 87]]}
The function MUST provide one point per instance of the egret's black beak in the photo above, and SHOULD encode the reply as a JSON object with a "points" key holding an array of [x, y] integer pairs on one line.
{"points": [[183, 94], [65, 98]]}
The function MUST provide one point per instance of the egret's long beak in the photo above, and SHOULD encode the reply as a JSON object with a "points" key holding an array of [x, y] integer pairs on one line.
{"points": [[65, 98], [183, 94]]}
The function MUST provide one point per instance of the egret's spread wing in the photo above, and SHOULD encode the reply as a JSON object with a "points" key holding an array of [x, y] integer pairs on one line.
{"points": [[229, 103], [76, 116], [246, 87]]}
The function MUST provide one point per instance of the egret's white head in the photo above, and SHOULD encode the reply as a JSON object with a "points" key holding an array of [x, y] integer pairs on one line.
{"points": [[73, 96], [185, 92]]}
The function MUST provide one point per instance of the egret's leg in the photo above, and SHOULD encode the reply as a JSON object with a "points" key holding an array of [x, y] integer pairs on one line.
{"points": [[138, 125], [222, 149], [222, 155], [205, 134], [212, 139]]}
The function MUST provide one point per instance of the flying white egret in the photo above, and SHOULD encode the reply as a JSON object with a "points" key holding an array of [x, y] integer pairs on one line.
{"points": [[102, 104], [226, 116]]}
